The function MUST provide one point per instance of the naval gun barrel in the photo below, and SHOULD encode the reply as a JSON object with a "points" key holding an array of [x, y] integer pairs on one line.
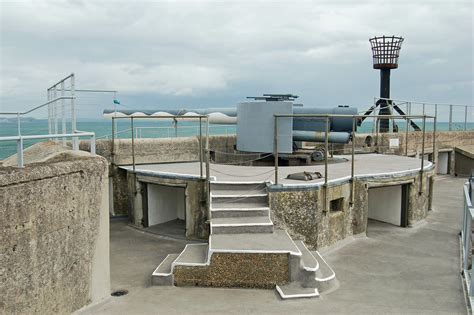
{"points": [[319, 136]]}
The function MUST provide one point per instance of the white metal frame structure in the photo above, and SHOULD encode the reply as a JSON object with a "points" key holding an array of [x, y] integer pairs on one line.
{"points": [[466, 238], [54, 112]]}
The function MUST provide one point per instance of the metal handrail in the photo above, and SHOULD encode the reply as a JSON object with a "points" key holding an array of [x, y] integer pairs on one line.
{"points": [[421, 102], [19, 139], [138, 130], [39, 106], [409, 104]]}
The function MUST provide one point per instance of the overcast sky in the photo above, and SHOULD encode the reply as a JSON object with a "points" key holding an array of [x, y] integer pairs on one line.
{"points": [[188, 54]]}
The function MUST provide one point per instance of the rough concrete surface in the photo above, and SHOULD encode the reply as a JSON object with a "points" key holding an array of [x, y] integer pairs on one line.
{"points": [[247, 270], [53, 236], [394, 270]]}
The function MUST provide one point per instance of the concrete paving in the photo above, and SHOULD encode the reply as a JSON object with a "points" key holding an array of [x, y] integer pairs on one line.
{"points": [[394, 270], [365, 165]]}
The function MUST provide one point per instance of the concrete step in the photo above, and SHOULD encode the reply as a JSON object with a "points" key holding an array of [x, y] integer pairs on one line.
{"points": [[238, 192], [237, 188], [163, 274], [240, 212], [240, 225], [277, 242], [193, 255], [294, 290], [326, 280], [249, 201]]}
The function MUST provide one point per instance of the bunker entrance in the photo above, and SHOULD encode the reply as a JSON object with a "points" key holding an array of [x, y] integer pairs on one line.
{"points": [[389, 204], [165, 210], [444, 165]]}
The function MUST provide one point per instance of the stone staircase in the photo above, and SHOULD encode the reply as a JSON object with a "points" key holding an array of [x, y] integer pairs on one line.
{"points": [[245, 250]]}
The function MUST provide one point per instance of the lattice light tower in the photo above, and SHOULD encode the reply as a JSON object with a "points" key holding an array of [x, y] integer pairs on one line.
{"points": [[385, 53]]}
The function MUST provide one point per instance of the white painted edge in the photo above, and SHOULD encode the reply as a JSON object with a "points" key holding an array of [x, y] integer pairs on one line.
{"points": [[238, 183], [340, 179], [162, 274], [213, 179], [255, 251], [239, 196], [294, 296], [327, 278], [241, 224], [240, 209], [214, 225], [151, 172], [317, 262]]}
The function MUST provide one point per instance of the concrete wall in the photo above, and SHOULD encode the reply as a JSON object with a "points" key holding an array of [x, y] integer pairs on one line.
{"points": [[161, 150], [54, 236], [302, 211], [464, 160]]}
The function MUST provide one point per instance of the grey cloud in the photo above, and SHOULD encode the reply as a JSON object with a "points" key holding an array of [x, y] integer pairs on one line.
{"points": [[199, 52]]}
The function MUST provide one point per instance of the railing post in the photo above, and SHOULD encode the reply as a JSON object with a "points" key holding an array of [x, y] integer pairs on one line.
{"points": [[18, 122], [112, 150], [465, 117], [49, 111], [377, 126], [133, 144], [406, 135], [75, 143], [200, 147], [19, 152], [208, 157], [63, 113], [450, 117], [275, 147], [208, 172], [422, 155], [175, 127], [93, 145], [434, 156], [352, 160], [55, 111], [326, 147]]}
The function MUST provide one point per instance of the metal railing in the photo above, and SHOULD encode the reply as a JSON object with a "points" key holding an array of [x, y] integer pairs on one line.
{"points": [[171, 132], [205, 158], [19, 140], [466, 236], [355, 118], [424, 107], [54, 114]]}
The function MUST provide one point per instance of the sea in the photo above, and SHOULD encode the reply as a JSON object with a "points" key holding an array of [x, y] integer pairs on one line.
{"points": [[149, 129]]}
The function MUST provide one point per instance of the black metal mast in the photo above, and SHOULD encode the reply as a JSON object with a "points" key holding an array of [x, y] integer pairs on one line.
{"points": [[385, 53]]}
